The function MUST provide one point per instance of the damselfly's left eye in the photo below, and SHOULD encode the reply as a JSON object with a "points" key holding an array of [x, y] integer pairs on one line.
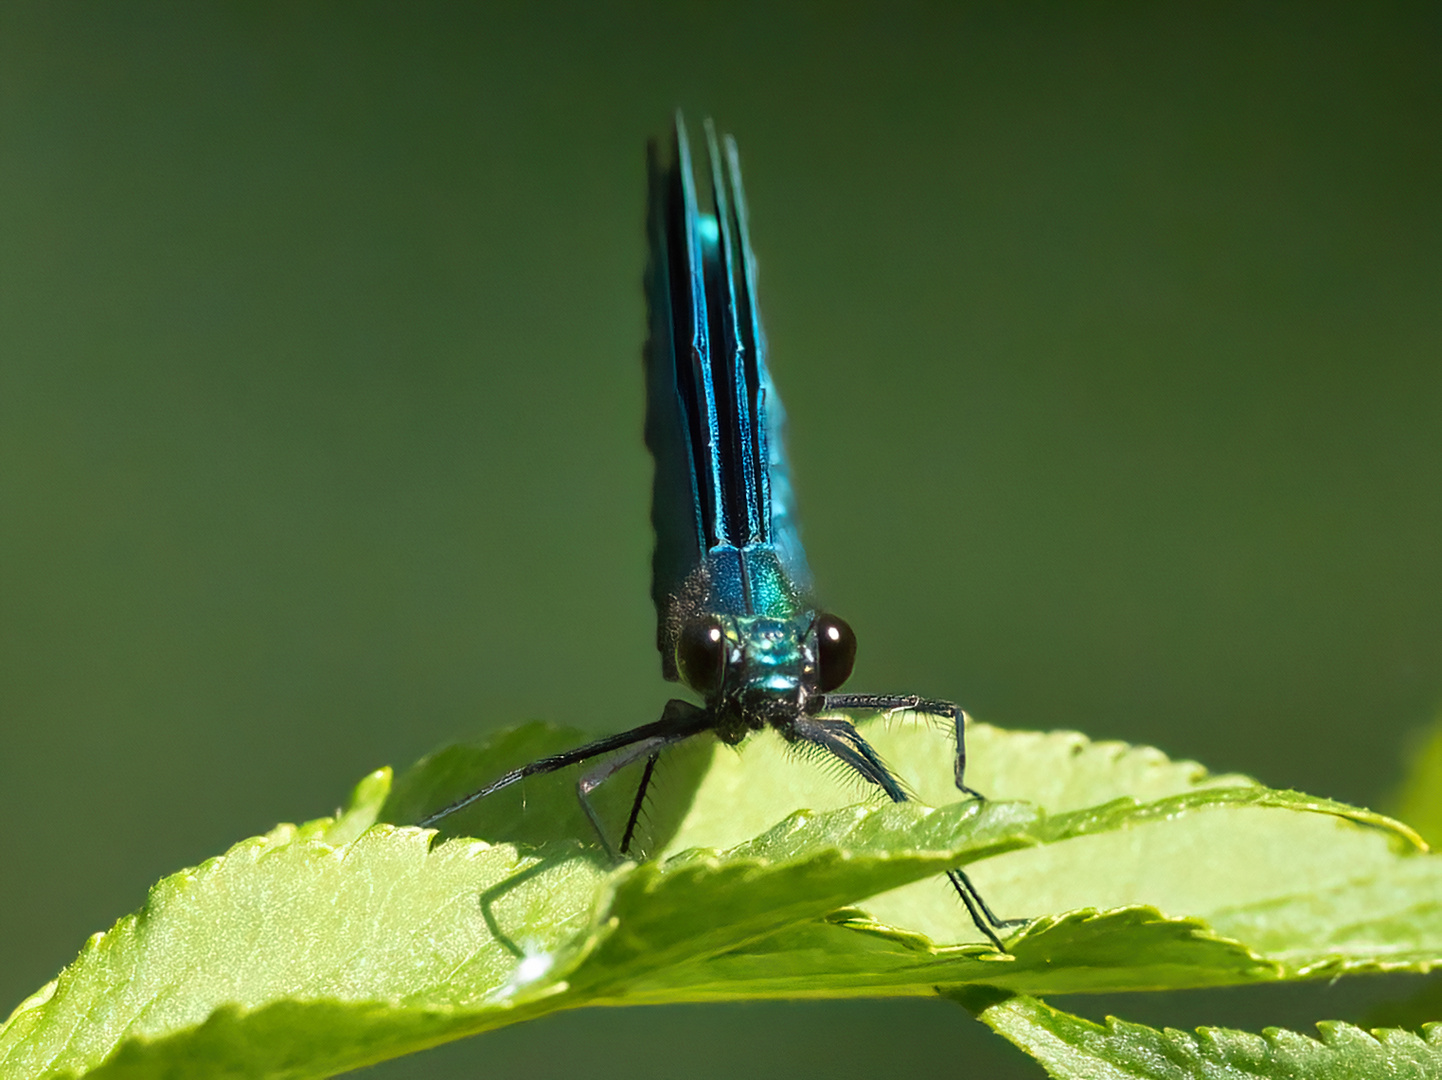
{"points": [[835, 652]]}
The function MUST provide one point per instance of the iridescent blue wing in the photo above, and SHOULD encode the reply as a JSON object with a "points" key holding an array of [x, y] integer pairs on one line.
{"points": [[676, 490], [721, 505], [775, 478]]}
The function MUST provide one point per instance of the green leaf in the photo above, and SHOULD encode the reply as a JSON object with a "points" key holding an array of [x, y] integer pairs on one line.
{"points": [[291, 955], [851, 955], [1200, 851], [288, 918], [341, 942], [1071, 1048], [1316, 893]]}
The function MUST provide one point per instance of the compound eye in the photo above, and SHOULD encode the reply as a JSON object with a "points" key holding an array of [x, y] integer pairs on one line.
{"points": [[835, 652], [701, 656]]}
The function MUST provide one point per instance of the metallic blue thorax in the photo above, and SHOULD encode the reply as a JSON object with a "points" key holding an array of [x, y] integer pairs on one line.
{"points": [[722, 507]]}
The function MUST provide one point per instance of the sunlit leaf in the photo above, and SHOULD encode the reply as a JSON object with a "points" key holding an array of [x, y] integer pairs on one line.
{"points": [[1071, 1048], [323, 947]]}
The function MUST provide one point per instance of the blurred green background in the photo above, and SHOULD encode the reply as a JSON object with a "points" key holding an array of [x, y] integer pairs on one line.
{"points": [[1110, 337]]}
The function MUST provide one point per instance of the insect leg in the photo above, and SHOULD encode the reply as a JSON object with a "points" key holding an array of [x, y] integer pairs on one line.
{"points": [[679, 719], [913, 703], [843, 740], [637, 804], [601, 773], [684, 720], [969, 892]]}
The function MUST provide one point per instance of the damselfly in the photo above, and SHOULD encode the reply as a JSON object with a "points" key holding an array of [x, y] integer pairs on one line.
{"points": [[735, 621]]}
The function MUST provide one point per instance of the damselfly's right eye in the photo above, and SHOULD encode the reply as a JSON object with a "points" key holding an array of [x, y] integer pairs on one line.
{"points": [[701, 656]]}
